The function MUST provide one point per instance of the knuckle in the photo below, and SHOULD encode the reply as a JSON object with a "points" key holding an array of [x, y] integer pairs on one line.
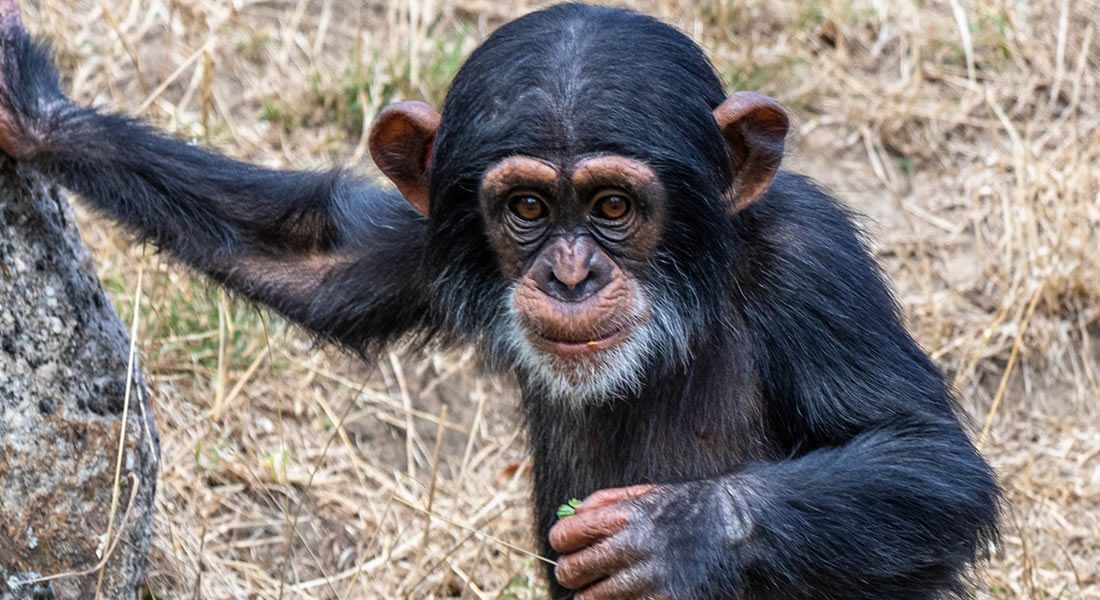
{"points": [[567, 572], [559, 536], [602, 495], [610, 554], [605, 528]]}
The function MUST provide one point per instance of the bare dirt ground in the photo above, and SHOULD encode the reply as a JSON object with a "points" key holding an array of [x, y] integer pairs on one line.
{"points": [[967, 132]]}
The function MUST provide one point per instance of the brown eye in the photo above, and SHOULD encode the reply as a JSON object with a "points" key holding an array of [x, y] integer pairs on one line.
{"points": [[527, 207], [612, 207]]}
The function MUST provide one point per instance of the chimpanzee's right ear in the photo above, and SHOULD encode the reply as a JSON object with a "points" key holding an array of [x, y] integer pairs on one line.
{"points": [[401, 145]]}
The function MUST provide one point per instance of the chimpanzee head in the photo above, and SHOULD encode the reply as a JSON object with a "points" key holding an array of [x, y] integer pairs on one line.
{"points": [[580, 188]]}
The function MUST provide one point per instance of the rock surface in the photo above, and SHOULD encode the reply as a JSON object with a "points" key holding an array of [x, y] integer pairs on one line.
{"points": [[63, 364]]}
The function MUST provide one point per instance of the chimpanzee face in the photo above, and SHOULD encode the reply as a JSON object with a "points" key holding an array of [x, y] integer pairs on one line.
{"points": [[573, 237]]}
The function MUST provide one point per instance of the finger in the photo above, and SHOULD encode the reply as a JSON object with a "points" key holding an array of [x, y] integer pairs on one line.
{"points": [[624, 585], [613, 496], [583, 530], [579, 569]]}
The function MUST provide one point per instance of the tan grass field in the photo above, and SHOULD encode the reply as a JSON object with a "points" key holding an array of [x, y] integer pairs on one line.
{"points": [[968, 131]]}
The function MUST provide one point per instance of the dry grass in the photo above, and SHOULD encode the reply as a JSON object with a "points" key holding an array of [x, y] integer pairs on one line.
{"points": [[968, 131]]}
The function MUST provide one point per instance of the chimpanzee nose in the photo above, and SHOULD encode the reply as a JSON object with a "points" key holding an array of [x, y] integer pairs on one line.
{"points": [[572, 270]]}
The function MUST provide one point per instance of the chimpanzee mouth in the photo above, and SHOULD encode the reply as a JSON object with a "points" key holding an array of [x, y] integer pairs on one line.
{"points": [[576, 347]]}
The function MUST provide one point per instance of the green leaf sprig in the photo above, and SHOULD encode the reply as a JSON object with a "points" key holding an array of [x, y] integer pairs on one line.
{"points": [[568, 510]]}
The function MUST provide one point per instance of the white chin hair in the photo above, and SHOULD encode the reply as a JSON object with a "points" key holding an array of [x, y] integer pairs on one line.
{"points": [[606, 374], [587, 380]]}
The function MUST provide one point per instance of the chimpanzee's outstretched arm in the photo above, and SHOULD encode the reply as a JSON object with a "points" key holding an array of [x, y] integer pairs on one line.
{"points": [[330, 252]]}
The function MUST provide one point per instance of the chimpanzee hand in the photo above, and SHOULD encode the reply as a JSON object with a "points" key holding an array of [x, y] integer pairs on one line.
{"points": [[29, 90], [658, 542]]}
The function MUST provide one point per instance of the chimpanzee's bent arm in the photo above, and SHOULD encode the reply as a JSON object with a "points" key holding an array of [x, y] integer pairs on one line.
{"points": [[876, 492], [897, 512], [320, 247], [894, 513], [885, 495]]}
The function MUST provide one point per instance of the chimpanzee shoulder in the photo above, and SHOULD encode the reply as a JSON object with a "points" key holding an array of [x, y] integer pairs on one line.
{"points": [[823, 316]]}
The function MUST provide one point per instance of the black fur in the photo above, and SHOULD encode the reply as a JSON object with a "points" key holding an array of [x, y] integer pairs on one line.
{"points": [[802, 391]]}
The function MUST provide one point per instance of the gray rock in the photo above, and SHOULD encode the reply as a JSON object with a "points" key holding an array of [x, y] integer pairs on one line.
{"points": [[63, 363]]}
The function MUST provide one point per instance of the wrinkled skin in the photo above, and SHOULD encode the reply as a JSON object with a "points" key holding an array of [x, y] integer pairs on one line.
{"points": [[626, 542]]}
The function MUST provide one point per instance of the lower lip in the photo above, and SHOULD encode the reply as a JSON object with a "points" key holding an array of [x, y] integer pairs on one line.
{"points": [[578, 348]]}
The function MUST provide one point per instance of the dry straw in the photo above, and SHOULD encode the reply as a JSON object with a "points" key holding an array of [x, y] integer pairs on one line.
{"points": [[969, 132]]}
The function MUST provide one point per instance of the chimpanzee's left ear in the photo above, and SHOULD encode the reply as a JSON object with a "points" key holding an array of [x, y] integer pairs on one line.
{"points": [[401, 145], [755, 128]]}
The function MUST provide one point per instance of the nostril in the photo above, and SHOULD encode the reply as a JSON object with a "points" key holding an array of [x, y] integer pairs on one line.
{"points": [[573, 276], [558, 285], [566, 291], [580, 290], [586, 283]]}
